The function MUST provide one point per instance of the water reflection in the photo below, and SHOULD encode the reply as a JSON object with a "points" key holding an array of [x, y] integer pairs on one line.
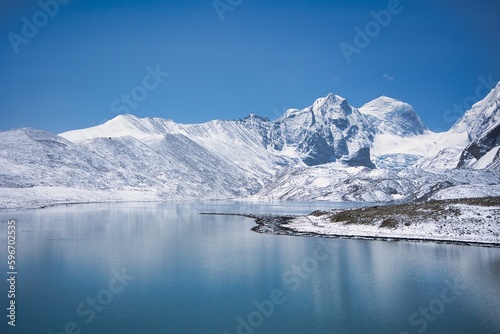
{"points": [[196, 273]]}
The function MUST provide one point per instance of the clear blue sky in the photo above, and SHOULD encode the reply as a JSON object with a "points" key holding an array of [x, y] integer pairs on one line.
{"points": [[265, 56]]}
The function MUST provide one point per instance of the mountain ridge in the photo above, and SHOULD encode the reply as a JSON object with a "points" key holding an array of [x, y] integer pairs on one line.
{"points": [[327, 151]]}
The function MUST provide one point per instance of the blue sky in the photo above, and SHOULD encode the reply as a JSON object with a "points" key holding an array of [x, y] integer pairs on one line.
{"points": [[263, 57]]}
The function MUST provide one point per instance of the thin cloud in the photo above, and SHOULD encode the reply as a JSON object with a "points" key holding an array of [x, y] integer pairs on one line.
{"points": [[387, 77]]}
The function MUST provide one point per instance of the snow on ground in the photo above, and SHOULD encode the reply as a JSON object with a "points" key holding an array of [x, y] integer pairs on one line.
{"points": [[459, 223], [468, 191], [36, 197], [486, 160], [426, 145]]}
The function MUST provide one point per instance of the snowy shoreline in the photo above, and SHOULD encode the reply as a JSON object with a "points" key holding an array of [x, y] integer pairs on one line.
{"points": [[20, 199], [459, 221]]}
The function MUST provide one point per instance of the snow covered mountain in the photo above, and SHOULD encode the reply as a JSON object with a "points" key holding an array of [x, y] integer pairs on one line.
{"points": [[328, 151], [483, 128], [40, 159], [478, 134], [331, 182], [330, 130], [391, 116], [402, 140]]}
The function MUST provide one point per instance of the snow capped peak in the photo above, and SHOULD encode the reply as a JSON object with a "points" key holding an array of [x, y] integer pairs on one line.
{"points": [[331, 103], [123, 121], [482, 126], [125, 118], [482, 117], [322, 106], [121, 126], [494, 94], [255, 118], [475, 137], [329, 130], [383, 105], [330, 99], [393, 116]]}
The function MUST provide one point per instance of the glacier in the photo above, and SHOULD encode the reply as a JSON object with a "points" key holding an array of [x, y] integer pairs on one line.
{"points": [[380, 152]]}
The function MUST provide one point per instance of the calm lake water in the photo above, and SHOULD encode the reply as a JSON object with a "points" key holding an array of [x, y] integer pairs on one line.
{"points": [[164, 268]]}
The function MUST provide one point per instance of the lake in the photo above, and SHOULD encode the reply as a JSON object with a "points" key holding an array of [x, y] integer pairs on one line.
{"points": [[164, 268]]}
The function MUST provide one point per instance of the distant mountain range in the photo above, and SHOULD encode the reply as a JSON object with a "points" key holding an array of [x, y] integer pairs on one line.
{"points": [[328, 151]]}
